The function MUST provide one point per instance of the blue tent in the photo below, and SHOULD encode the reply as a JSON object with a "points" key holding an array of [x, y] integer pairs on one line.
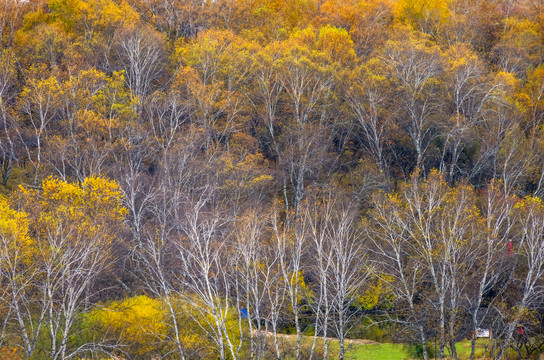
{"points": [[243, 313]]}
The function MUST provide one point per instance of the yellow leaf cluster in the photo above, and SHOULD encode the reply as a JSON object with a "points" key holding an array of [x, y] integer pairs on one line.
{"points": [[13, 227], [138, 321]]}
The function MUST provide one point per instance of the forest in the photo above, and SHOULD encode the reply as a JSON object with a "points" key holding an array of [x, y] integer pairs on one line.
{"points": [[271, 179]]}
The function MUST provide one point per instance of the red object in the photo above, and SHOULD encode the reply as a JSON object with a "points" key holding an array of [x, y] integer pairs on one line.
{"points": [[509, 249], [520, 330]]}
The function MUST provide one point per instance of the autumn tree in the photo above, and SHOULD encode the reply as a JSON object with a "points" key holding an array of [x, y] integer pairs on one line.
{"points": [[530, 250], [467, 95], [140, 53], [439, 229], [72, 230], [8, 140], [427, 16], [416, 68], [367, 96], [497, 210], [340, 266], [363, 20], [290, 238], [39, 105], [173, 18], [16, 274]]}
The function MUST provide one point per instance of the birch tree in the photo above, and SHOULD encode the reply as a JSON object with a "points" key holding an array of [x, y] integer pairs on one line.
{"points": [[530, 249], [416, 69]]}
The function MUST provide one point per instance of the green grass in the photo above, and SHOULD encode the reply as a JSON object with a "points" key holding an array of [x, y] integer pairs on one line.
{"points": [[463, 348], [389, 351], [398, 351], [382, 351]]}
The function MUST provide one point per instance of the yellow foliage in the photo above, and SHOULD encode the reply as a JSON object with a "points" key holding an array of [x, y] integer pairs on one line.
{"points": [[337, 44], [529, 99], [139, 322], [83, 89], [89, 213], [461, 56], [423, 15], [305, 37], [92, 16], [40, 94], [523, 33], [145, 325], [115, 100], [13, 228], [530, 204], [245, 175], [96, 124], [17, 248], [102, 196], [297, 13], [377, 288], [421, 9], [508, 79], [217, 55]]}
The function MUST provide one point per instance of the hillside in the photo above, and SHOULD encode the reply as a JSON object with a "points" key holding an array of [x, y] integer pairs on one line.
{"points": [[181, 177]]}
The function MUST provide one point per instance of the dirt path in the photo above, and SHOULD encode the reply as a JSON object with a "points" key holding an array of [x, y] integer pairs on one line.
{"points": [[293, 337]]}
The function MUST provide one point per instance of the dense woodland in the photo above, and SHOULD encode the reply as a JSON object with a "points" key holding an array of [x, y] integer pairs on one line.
{"points": [[193, 179]]}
